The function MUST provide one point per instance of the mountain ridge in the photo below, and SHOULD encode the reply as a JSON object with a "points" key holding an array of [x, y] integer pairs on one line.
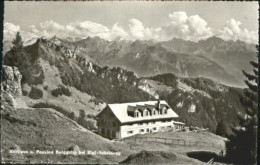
{"points": [[46, 63]]}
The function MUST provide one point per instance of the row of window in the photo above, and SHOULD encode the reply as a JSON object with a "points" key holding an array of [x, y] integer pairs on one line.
{"points": [[148, 130], [153, 122], [145, 112]]}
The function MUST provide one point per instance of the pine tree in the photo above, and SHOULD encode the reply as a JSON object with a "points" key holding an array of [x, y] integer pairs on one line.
{"points": [[222, 128], [82, 117], [241, 147], [17, 43]]}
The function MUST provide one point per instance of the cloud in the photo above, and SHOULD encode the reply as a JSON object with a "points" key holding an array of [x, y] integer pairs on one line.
{"points": [[186, 27], [233, 31], [179, 25], [138, 31], [10, 30], [118, 32]]}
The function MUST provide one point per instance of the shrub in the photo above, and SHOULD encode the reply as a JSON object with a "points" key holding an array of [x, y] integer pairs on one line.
{"points": [[72, 116], [91, 124], [221, 129], [88, 121], [53, 106], [66, 91], [56, 92], [25, 92], [61, 90], [35, 93], [45, 87], [82, 116], [90, 116]]}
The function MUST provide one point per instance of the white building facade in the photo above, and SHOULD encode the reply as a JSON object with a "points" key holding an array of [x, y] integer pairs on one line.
{"points": [[118, 121]]}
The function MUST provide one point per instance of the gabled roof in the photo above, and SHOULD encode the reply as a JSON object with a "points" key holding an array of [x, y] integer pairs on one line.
{"points": [[120, 111]]}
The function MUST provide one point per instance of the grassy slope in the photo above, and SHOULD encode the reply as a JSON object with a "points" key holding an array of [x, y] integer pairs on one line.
{"points": [[52, 80], [205, 137], [51, 131], [158, 157]]}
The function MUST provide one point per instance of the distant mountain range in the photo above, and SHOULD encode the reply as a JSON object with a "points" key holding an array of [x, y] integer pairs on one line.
{"points": [[214, 58], [232, 56], [80, 66]]}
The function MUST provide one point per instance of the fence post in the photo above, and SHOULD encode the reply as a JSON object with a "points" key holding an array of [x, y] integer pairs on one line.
{"points": [[178, 141], [165, 141]]}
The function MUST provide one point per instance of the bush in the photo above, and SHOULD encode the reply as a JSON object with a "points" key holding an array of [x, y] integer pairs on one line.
{"points": [[88, 121], [82, 116], [45, 87], [221, 129], [61, 90], [35, 93], [90, 116], [72, 116], [25, 92], [91, 124], [56, 92], [53, 106]]}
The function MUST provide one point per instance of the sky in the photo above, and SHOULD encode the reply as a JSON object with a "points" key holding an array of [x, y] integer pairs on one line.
{"points": [[158, 21]]}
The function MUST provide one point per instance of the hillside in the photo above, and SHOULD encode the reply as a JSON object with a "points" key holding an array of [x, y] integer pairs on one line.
{"points": [[197, 98], [31, 129], [46, 129]]}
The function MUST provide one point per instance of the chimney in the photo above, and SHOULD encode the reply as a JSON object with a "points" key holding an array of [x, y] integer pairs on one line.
{"points": [[158, 104]]}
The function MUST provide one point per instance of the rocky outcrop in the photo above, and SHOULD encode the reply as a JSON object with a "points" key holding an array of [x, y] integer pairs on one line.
{"points": [[11, 87], [11, 80]]}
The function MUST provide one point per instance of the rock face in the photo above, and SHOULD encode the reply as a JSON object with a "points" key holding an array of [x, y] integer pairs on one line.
{"points": [[11, 80], [11, 86]]}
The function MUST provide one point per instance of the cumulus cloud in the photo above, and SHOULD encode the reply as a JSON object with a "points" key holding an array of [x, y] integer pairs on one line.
{"points": [[139, 31], [233, 31], [10, 30], [180, 25], [186, 27]]}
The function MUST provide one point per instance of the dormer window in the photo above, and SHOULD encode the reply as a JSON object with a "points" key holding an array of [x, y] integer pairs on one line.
{"points": [[137, 113], [146, 113], [165, 111], [154, 112]]}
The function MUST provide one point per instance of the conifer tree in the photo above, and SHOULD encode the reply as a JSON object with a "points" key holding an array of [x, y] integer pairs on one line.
{"points": [[222, 128], [17, 43], [242, 146]]}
